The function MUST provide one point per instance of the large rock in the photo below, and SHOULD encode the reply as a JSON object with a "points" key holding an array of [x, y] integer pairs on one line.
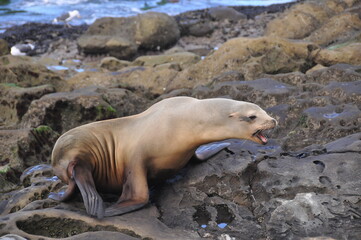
{"points": [[290, 197], [299, 21], [341, 54], [121, 37], [35, 215], [156, 30], [322, 22], [294, 99], [26, 72], [23, 148], [251, 57], [15, 101], [222, 13], [116, 46], [65, 110], [339, 28]]}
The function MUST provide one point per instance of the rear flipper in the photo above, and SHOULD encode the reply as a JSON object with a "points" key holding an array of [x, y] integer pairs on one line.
{"points": [[84, 180], [124, 207], [208, 150]]}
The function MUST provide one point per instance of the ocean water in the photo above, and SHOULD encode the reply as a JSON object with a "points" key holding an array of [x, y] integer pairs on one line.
{"points": [[15, 12]]}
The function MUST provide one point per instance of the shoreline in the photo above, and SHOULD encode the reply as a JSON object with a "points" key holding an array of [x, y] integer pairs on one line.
{"points": [[43, 34]]}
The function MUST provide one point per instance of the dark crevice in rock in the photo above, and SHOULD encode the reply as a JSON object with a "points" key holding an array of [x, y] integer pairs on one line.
{"points": [[202, 216], [224, 214], [55, 228], [249, 176]]}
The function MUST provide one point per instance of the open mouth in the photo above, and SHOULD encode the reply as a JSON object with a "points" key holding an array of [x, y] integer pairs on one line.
{"points": [[261, 136]]}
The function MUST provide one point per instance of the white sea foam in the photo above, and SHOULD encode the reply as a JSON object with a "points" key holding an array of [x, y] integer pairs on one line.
{"points": [[90, 10]]}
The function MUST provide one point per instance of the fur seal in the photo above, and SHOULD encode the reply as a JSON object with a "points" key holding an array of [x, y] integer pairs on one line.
{"points": [[120, 155]]}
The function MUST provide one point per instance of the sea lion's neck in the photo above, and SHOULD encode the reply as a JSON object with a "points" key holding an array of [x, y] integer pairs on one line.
{"points": [[209, 124]]}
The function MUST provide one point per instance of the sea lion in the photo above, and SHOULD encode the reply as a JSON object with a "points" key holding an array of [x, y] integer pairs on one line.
{"points": [[120, 155]]}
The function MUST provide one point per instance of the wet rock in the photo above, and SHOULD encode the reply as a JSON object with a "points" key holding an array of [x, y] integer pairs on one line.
{"points": [[113, 64], [250, 56], [338, 29], [25, 72], [183, 59], [22, 148], [66, 223], [344, 54], [15, 101], [4, 47], [65, 110], [121, 37], [222, 13]]}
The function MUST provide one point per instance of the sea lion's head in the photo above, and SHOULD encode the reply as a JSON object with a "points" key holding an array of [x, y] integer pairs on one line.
{"points": [[250, 122]]}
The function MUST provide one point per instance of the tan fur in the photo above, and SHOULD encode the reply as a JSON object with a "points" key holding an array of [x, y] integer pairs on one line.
{"points": [[162, 138]]}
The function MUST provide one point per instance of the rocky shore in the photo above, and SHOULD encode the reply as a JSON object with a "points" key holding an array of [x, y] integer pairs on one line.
{"points": [[300, 62]]}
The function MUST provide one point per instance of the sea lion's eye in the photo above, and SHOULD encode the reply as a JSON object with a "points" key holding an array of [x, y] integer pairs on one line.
{"points": [[253, 117]]}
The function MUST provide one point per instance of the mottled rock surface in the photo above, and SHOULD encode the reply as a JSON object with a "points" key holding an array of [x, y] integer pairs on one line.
{"points": [[26, 72], [305, 184], [251, 57]]}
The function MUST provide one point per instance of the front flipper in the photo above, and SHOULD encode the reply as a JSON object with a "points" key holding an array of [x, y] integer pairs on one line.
{"points": [[208, 150], [64, 195], [135, 194], [93, 202]]}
